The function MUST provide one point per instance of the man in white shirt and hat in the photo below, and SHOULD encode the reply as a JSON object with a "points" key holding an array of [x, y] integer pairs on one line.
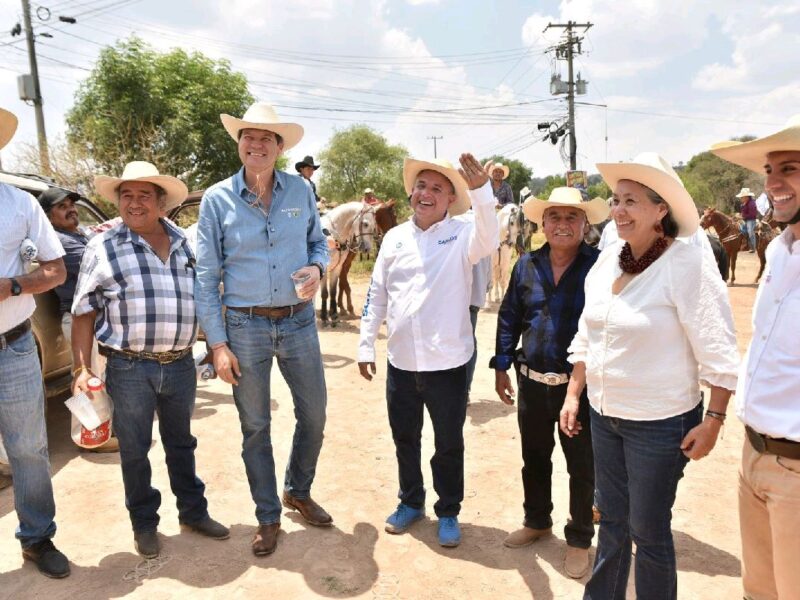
{"points": [[22, 403], [421, 285], [768, 392]]}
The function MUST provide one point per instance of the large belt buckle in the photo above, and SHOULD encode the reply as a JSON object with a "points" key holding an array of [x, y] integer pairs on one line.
{"points": [[551, 378], [164, 358]]}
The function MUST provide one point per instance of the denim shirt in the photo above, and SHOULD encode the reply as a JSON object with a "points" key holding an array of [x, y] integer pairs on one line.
{"points": [[251, 252]]}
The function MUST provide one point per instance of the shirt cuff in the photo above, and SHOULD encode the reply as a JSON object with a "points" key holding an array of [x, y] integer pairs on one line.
{"points": [[366, 355], [501, 362], [483, 196]]}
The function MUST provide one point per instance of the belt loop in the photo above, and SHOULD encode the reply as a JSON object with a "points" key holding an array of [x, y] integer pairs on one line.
{"points": [[291, 311], [250, 312], [3, 344]]}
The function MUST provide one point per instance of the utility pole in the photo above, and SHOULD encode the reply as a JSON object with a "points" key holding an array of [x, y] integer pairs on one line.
{"points": [[567, 51], [434, 138], [44, 155]]}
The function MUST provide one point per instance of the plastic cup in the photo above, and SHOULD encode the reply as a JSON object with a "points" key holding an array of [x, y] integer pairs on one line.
{"points": [[299, 279]]}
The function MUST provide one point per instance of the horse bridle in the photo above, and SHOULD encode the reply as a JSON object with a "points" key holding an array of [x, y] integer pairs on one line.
{"points": [[727, 227], [351, 244]]}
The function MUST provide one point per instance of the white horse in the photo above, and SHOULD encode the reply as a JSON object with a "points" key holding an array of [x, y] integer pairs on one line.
{"points": [[508, 224], [349, 227]]}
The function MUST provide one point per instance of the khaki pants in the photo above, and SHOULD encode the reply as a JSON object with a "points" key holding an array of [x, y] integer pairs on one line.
{"points": [[769, 517]]}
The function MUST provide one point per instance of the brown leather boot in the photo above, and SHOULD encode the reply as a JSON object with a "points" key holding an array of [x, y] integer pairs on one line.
{"points": [[525, 537], [312, 512], [266, 539]]}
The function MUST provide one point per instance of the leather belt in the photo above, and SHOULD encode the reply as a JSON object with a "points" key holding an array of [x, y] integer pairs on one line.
{"points": [[162, 358], [13, 334], [271, 312], [778, 446], [545, 378]]}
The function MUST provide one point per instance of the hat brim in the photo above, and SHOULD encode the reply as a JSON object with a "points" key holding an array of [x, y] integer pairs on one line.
{"points": [[596, 210], [413, 167], [300, 165], [291, 133], [505, 169], [176, 190], [752, 155], [8, 127], [680, 202]]}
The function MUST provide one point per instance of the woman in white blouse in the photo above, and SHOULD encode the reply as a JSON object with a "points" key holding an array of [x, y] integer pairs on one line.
{"points": [[657, 322]]}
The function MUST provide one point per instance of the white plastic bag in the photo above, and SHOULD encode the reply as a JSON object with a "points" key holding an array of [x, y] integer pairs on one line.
{"points": [[91, 417]]}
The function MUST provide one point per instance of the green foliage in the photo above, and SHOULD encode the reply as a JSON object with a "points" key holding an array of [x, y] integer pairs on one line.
{"points": [[357, 158], [140, 104], [715, 182], [599, 189], [550, 182], [519, 174]]}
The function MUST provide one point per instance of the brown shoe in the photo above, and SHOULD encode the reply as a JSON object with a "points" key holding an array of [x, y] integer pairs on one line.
{"points": [[266, 539], [576, 562], [525, 537], [312, 512]]}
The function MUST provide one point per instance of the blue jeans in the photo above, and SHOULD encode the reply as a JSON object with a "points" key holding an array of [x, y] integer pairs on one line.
{"points": [[637, 468], [750, 228], [139, 389], [294, 342], [24, 434], [473, 318], [445, 395]]}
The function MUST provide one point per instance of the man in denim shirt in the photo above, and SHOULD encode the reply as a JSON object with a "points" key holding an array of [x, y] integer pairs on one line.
{"points": [[256, 230]]}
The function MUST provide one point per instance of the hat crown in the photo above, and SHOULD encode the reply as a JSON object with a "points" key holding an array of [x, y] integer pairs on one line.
{"points": [[261, 112], [656, 161], [565, 195], [139, 168], [309, 159], [793, 121]]}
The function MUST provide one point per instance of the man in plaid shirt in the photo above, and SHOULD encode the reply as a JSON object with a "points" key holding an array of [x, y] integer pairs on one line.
{"points": [[135, 293]]}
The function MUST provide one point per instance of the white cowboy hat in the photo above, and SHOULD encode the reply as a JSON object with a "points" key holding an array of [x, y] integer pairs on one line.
{"points": [[744, 193], [369, 191], [262, 116], [413, 167], [139, 170], [8, 126], [752, 155], [503, 168], [652, 171], [524, 192], [596, 210]]}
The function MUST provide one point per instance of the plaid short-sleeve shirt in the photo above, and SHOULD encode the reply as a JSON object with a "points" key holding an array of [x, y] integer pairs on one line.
{"points": [[142, 303]]}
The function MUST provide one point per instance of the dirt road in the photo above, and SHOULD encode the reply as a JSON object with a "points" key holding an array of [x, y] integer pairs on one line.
{"points": [[356, 482]]}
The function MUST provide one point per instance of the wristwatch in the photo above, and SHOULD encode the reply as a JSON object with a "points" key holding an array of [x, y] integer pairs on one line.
{"points": [[320, 267], [16, 288]]}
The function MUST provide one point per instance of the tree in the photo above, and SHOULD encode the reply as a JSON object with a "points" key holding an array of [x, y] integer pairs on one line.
{"points": [[139, 104], [359, 157], [519, 175], [715, 182]]}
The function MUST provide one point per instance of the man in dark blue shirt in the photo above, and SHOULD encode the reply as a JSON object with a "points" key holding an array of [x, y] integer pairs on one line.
{"points": [[542, 305]]}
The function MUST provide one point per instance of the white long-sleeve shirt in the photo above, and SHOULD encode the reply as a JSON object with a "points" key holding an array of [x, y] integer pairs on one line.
{"points": [[647, 347], [421, 285], [768, 395]]}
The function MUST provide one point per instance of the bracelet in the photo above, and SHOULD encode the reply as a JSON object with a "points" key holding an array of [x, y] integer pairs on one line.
{"points": [[80, 369], [716, 415]]}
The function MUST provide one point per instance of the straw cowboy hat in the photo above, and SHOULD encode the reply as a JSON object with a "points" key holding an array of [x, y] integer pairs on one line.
{"points": [[308, 161], [596, 210], [503, 168], [140, 170], [752, 155], [262, 116], [368, 191], [650, 170], [744, 193], [413, 167], [8, 126], [524, 193]]}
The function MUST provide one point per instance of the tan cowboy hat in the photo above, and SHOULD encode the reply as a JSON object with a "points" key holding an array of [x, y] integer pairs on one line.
{"points": [[503, 168], [744, 193], [752, 155], [596, 210], [139, 170], [652, 171], [413, 167], [8, 126], [262, 116]]}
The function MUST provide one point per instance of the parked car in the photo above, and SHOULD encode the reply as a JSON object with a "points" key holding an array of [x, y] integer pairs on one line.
{"points": [[54, 354]]}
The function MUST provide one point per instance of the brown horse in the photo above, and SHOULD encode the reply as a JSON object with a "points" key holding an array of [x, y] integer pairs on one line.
{"points": [[385, 219], [732, 238]]}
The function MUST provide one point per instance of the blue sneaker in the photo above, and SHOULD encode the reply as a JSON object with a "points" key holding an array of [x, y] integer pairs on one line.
{"points": [[401, 519], [449, 532]]}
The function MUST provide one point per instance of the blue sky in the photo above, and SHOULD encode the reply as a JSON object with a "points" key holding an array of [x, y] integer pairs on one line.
{"points": [[676, 76]]}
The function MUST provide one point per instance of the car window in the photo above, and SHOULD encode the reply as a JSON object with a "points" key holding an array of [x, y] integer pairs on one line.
{"points": [[186, 214], [88, 216]]}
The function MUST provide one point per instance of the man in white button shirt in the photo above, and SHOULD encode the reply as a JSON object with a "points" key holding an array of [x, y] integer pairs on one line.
{"points": [[768, 392], [22, 424], [421, 285]]}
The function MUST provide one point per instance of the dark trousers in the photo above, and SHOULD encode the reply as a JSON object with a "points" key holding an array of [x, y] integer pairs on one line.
{"points": [[444, 393], [139, 390], [539, 407]]}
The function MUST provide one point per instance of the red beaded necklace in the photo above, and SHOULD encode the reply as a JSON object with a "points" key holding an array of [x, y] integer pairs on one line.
{"points": [[629, 264]]}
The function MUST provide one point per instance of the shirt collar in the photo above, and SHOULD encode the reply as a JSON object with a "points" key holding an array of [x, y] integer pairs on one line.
{"points": [[240, 187], [175, 233], [544, 252], [433, 227]]}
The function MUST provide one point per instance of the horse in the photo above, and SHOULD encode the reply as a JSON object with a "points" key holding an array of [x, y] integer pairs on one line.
{"points": [[385, 219], [732, 238], [507, 223], [349, 227], [525, 229]]}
